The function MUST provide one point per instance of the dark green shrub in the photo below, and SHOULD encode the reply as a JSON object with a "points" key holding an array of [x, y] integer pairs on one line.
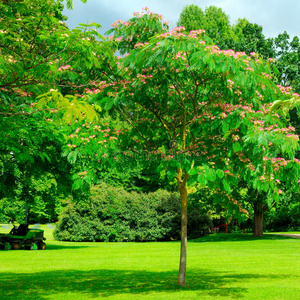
{"points": [[115, 215], [284, 217]]}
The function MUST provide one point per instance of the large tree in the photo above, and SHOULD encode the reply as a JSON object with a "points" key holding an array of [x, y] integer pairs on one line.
{"points": [[39, 55], [197, 112]]}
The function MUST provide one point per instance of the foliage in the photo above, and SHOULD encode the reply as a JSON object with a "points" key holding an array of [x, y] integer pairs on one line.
{"points": [[192, 18], [285, 216], [213, 20], [112, 214], [137, 30], [45, 200], [45, 75], [288, 60], [11, 211], [175, 52], [251, 39]]}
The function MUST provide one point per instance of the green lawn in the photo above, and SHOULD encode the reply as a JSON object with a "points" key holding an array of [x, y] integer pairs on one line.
{"points": [[232, 266]]}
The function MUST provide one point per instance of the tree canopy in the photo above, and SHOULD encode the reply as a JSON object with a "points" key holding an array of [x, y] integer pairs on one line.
{"points": [[33, 62], [200, 113]]}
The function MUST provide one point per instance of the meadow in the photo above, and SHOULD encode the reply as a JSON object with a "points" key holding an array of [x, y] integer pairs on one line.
{"points": [[220, 266]]}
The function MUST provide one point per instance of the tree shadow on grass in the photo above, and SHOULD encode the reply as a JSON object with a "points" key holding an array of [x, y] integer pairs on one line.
{"points": [[106, 283], [52, 247], [237, 237], [62, 246]]}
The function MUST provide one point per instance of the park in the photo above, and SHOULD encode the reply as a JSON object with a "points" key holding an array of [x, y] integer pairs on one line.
{"points": [[135, 145]]}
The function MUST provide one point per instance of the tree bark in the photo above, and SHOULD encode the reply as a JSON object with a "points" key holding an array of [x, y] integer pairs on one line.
{"points": [[182, 267], [258, 219]]}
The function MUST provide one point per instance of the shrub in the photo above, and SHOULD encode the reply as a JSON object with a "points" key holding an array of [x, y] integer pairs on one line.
{"points": [[284, 218], [114, 215]]}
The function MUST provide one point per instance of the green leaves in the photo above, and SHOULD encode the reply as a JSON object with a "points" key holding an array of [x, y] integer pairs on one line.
{"points": [[236, 146], [72, 156], [211, 174], [220, 173], [73, 108], [70, 3], [285, 106], [202, 179], [207, 174], [226, 185]]}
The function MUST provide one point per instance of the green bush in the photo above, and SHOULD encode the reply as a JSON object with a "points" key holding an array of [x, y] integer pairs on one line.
{"points": [[113, 214]]}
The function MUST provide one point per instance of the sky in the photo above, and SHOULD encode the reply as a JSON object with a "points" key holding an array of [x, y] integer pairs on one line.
{"points": [[275, 16]]}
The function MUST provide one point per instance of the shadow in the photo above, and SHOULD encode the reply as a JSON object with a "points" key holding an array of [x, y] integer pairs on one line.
{"points": [[107, 283], [62, 246], [49, 247], [237, 237]]}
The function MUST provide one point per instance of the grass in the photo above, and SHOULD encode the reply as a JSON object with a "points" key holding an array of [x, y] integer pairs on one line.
{"points": [[233, 266], [290, 232]]}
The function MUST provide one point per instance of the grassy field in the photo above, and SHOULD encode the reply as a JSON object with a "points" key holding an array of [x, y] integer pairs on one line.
{"points": [[232, 266]]}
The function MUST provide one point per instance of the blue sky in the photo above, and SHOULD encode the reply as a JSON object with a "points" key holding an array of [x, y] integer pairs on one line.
{"points": [[275, 16]]}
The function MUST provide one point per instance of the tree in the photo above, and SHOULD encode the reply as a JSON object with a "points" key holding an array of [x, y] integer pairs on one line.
{"points": [[288, 60], [251, 39], [213, 20], [45, 59], [200, 113], [191, 18]]}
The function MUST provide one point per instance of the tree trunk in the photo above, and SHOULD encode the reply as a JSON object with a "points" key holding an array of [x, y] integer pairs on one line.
{"points": [[182, 268], [258, 219]]}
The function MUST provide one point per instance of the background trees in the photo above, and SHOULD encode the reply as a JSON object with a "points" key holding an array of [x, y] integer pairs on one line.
{"points": [[213, 20]]}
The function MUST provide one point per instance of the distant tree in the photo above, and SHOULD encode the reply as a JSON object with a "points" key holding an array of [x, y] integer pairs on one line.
{"points": [[213, 20], [288, 60], [251, 39], [192, 17]]}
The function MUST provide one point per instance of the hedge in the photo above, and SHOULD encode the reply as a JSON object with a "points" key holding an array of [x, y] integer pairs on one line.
{"points": [[112, 214]]}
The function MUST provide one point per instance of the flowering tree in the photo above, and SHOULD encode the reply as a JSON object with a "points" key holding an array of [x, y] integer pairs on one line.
{"points": [[203, 115]]}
